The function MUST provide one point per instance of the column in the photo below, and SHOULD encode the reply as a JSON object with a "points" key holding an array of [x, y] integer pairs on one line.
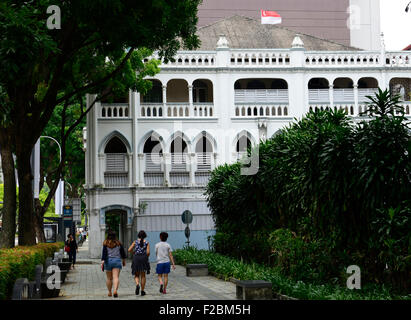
{"points": [[356, 104], [167, 168], [192, 168], [102, 168], [190, 100], [141, 169], [130, 169], [331, 95], [164, 100]]}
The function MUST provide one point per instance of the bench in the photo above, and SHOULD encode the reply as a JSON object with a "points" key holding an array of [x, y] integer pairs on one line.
{"points": [[253, 290], [196, 270]]}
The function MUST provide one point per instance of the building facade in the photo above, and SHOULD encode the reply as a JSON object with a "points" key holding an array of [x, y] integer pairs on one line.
{"points": [[149, 158], [353, 23]]}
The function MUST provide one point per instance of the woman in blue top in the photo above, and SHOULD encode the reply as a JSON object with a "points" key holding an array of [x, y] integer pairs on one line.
{"points": [[112, 260], [140, 265]]}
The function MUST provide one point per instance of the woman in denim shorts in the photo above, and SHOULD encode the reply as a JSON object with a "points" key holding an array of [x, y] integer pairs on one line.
{"points": [[112, 261]]}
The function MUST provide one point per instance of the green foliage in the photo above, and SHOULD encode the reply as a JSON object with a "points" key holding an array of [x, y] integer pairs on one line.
{"points": [[330, 182], [20, 262], [227, 268]]}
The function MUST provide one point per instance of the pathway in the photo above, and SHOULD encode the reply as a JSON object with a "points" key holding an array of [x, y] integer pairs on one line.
{"points": [[87, 282]]}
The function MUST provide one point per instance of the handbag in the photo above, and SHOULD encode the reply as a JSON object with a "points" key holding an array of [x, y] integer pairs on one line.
{"points": [[66, 248]]}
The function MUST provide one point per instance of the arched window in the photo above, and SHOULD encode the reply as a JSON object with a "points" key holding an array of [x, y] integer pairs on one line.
{"points": [[243, 144]]}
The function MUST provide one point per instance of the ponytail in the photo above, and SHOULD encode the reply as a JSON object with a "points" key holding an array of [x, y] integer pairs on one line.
{"points": [[142, 235]]}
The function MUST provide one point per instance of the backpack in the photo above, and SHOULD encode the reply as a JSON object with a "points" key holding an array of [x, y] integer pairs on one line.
{"points": [[138, 250]]}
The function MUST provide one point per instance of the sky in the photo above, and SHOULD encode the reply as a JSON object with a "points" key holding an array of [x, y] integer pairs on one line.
{"points": [[395, 24]]}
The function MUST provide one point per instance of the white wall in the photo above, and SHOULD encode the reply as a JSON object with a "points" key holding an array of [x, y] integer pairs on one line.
{"points": [[365, 26]]}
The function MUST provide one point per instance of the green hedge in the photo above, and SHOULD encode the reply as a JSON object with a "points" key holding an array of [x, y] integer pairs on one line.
{"points": [[227, 268], [20, 262]]}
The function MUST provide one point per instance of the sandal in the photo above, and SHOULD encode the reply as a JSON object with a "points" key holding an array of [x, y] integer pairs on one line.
{"points": [[115, 295], [109, 294]]}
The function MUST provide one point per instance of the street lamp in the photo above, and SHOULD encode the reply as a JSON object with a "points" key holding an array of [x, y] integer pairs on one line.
{"points": [[59, 196]]}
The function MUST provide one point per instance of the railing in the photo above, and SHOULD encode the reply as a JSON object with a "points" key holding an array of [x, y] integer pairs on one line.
{"points": [[362, 93], [246, 58], [118, 110], [154, 178], [179, 178], [187, 59], [177, 110], [202, 177], [261, 96], [338, 59], [348, 108], [153, 162], [398, 59], [344, 95], [115, 179], [283, 58], [318, 95], [179, 162], [261, 110], [203, 161], [116, 162]]}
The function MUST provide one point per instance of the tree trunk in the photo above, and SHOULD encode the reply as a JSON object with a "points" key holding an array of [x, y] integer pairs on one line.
{"points": [[38, 221], [8, 233], [27, 234]]}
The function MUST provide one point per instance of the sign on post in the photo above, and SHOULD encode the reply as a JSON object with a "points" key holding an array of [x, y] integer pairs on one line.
{"points": [[187, 218]]}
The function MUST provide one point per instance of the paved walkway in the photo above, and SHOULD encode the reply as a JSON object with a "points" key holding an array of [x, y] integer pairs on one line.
{"points": [[88, 282]]}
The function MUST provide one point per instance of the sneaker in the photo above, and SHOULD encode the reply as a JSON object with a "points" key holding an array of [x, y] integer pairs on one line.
{"points": [[137, 290], [143, 293], [161, 288]]}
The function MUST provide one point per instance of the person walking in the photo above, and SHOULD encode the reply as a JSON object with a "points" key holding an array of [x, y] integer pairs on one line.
{"points": [[164, 255], [112, 260], [140, 265], [73, 249]]}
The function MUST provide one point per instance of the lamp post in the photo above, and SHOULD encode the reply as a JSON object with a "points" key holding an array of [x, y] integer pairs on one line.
{"points": [[60, 188]]}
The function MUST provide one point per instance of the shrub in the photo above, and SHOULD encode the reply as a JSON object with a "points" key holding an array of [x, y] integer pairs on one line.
{"points": [[20, 262], [226, 268], [343, 187]]}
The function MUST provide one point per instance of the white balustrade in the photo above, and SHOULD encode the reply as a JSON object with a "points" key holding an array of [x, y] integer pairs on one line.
{"points": [[261, 96], [189, 59], [318, 95], [363, 93], [272, 58], [342, 59], [114, 110], [344, 95], [261, 110], [115, 179], [398, 59], [177, 110], [348, 108]]}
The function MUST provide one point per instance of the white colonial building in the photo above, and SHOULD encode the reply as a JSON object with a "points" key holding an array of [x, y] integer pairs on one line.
{"points": [[149, 157]]}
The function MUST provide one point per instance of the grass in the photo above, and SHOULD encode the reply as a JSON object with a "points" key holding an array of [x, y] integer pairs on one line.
{"points": [[227, 268]]}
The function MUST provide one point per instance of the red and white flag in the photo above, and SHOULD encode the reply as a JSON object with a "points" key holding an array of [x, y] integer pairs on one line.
{"points": [[270, 17]]}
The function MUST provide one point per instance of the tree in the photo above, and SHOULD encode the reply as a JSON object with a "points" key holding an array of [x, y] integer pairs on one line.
{"points": [[42, 68], [9, 200]]}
